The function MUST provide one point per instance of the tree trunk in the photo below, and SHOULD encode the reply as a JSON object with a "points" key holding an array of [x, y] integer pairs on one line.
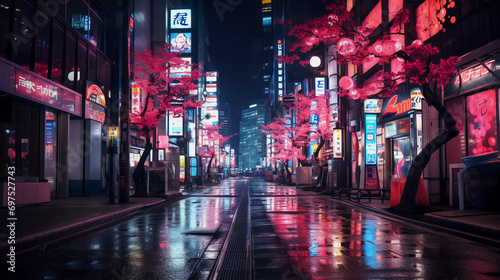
{"points": [[209, 166], [407, 203], [288, 179], [140, 174], [319, 181]]}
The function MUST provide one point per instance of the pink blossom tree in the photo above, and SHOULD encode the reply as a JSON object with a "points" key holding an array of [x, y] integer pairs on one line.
{"points": [[166, 80], [285, 146], [211, 139], [420, 65]]}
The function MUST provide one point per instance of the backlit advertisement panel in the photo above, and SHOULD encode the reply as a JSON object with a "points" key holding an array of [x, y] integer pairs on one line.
{"points": [[180, 18], [180, 42], [175, 125], [371, 138]]}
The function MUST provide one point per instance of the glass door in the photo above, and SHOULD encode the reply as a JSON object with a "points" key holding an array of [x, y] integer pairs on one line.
{"points": [[51, 150], [401, 158]]}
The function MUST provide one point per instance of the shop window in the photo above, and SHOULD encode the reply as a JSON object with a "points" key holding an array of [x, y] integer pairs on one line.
{"points": [[21, 53], [456, 148], [71, 76], [482, 122], [57, 54], [42, 50], [4, 28]]}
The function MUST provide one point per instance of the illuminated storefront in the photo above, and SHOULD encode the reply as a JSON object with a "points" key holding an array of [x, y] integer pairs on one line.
{"points": [[474, 105], [398, 135]]}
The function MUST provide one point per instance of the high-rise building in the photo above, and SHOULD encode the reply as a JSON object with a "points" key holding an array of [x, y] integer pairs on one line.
{"points": [[252, 145], [225, 119]]}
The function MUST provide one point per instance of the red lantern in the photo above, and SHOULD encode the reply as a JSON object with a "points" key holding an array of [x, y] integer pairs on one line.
{"points": [[346, 47], [346, 83]]}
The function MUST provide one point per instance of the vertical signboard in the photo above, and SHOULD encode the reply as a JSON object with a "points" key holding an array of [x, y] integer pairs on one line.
{"points": [[371, 138], [319, 86], [337, 143], [182, 168], [180, 18]]}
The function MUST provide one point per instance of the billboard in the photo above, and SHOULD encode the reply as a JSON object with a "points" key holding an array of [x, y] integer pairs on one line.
{"points": [[175, 125], [180, 18], [180, 42]]}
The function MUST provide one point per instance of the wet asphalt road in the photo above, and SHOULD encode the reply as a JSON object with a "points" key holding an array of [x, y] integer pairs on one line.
{"points": [[294, 235]]}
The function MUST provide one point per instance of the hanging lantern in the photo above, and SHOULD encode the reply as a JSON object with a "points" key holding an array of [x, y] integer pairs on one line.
{"points": [[417, 43], [346, 83], [346, 47], [388, 47]]}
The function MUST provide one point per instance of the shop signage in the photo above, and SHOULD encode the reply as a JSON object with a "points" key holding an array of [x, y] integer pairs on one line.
{"points": [[402, 103], [319, 86], [212, 76], [337, 143], [182, 168], [136, 99], [211, 87], [175, 125], [94, 94], [373, 106], [180, 18], [30, 86], [397, 128], [193, 167], [94, 112], [180, 42], [371, 138], [473, 78]]}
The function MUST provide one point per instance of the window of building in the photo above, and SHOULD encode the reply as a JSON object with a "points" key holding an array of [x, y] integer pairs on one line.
{"points": [[21, 53], [374, 18], [71, 75], [428, 23], [57, 54], [394, 7], [82, 68], [42, 50], [4, 28]]}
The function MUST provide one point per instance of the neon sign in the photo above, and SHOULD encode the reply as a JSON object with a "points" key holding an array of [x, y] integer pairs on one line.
{"points": [[94, 94], [94, 112], [394, 107], [473, 73]]}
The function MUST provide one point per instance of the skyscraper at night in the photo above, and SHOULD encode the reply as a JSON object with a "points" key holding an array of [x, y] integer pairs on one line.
{"points": [[251, 149]]}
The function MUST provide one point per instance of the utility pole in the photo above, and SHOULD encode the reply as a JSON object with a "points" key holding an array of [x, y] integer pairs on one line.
{"points": [[124, 112]]}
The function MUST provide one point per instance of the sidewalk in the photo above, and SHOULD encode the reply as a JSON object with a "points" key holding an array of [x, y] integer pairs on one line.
{"points": [[478, 224], [44, 223]]}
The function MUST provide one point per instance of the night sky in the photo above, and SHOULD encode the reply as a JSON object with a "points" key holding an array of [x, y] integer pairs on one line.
{"points": [[231, 52]]}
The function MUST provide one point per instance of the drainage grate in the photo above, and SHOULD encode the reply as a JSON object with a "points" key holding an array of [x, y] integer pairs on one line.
{"points": [[235, 262]]}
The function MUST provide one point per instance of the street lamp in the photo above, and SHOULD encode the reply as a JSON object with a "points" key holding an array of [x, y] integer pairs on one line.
{"points": [[315, 61]]}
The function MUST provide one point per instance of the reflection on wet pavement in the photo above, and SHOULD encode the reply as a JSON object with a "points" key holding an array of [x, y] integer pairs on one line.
{"points": [[166, 243], [326, 239], [294, 235]]}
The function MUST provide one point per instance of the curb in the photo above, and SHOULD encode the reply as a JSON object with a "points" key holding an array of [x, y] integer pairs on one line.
{"points": [[30, 242]]}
